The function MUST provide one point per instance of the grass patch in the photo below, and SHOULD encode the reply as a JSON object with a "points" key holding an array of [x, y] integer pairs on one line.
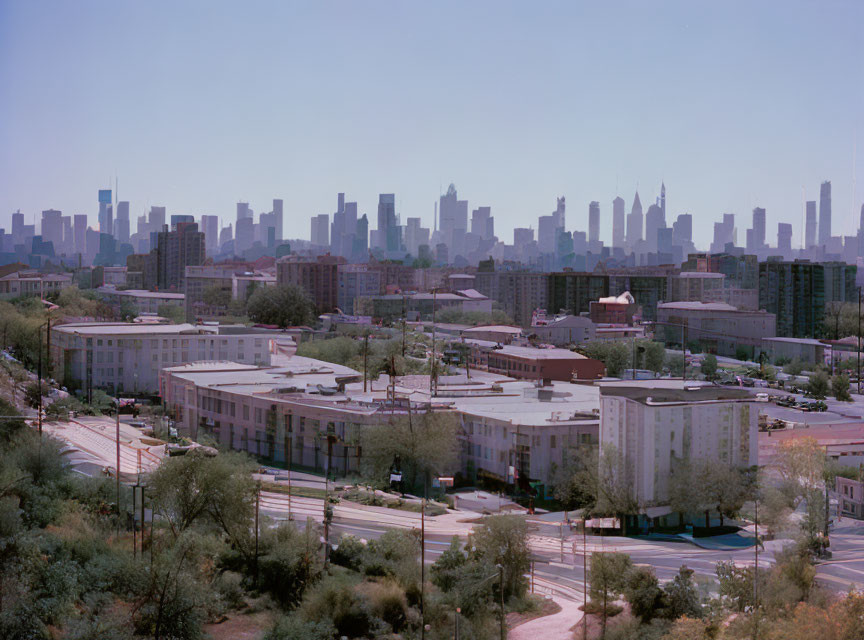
{"points": [[300, 492]]}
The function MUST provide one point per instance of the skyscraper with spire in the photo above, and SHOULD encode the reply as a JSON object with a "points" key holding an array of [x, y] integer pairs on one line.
{"points": [[663, 198], [634, 222]]}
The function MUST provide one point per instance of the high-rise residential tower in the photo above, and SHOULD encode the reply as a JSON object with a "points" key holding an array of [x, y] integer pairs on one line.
{"points": [[825, 213], [618, 222], [121, 223], [810, 224], [593, 223]]}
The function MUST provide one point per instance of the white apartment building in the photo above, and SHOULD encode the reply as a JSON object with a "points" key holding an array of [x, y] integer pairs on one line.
{"points": [[32, 283], [127, 357], [654, 424]]}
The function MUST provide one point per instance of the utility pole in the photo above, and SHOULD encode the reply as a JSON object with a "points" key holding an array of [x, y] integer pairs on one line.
{"points": [[433, 367], [584, 576], [423, 564], [365, 359], [404, 324], [756, 570], [40, 387], [117, 433], [501, 589], [290, 447], [257, 509]]}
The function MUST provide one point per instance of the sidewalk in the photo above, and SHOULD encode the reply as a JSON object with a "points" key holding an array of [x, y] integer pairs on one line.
{"points": [[554, 627]]}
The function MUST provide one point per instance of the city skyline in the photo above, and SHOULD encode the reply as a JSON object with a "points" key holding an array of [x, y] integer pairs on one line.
{"points": [[509, 105]]}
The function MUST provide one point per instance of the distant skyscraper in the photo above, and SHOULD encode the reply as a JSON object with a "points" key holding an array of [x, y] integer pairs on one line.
{"points": [[361, 241], [560, 213], [210, 227], [243, 211], [634, 222], [810, 225], [825, 213], [618, 222], [724, 233], [121, 224], [663, 199], [320, 232], [522, 237], [482, 223], [226, 235], [757, 238], [52, 229], [861, 233], [157, 218], [593, 223], [654, 221], [244, 235], [106, 214], [278, 218], [682, 230], [79, 232], [784, 238], [388, 230]]}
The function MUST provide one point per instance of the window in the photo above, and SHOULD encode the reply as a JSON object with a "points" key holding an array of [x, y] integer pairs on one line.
{"points": [[552, 442]]}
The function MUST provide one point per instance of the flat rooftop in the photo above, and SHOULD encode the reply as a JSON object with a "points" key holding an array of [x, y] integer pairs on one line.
{"points": [[668, 391]]}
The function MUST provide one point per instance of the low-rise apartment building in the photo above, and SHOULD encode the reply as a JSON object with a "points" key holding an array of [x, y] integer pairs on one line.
{"points": [[32, 283], [656, 424], [127, 357], [718, 327], [529, 363], [139, 300], [309, 411]]}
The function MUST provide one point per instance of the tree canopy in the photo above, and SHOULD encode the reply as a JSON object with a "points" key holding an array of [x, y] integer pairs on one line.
{"points": [[284, 306]]}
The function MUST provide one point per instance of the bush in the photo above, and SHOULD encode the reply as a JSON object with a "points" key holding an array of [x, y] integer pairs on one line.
{"points": [[348, 553], [334, 601], [295, 628]]}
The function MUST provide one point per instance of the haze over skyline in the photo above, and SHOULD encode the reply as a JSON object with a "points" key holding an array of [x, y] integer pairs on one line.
{"points": [[734, 106]]}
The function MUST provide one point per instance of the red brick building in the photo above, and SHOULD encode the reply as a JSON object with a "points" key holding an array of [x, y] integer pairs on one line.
{"points": [[319, 278]]}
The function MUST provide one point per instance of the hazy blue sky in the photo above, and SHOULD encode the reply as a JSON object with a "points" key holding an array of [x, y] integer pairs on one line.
{"points": [[196, 105]]}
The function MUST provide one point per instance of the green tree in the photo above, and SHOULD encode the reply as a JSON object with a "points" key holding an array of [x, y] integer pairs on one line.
{"points": [[503, 540], [742, 353], [642, 592], [655, 355], [614, 355], [676, 364], [840, 388], [285, 306], [574, 482], [216, 296], [33, 392], [793, 367], [172, 601], [818, 385], [735, 584], [425, 443], [291, 562], [214, 492], [173, 312], [607, 578], [681, 595], [709, 366]]}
